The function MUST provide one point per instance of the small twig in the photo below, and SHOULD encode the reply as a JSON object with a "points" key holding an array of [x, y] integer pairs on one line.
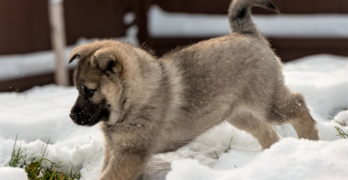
{"points": [[229, 146]]}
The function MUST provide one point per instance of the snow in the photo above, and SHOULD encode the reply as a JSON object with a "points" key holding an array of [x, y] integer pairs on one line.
{"points": [[22, 65], [200, 25], [324, 86], [287, 160], [40, 115], [12, 173], [342, 118], [56, 1]]}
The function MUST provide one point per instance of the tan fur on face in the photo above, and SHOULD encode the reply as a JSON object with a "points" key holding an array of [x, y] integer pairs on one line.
{"points": [[159, 105], [126, 77]]}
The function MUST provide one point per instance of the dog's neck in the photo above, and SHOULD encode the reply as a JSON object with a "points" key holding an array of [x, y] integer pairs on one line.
{"points": [[172, 88]]}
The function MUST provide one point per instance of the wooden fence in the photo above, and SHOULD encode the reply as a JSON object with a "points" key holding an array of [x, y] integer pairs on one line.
{"points": [[24, 27]]}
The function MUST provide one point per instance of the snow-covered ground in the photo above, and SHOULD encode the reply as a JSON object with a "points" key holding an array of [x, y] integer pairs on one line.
{"points": [[40, 115]]}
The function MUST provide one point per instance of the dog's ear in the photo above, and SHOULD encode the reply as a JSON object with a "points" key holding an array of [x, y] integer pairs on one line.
{"points": [[83, 51], [107, 64], [73, 57], [78, 52]]}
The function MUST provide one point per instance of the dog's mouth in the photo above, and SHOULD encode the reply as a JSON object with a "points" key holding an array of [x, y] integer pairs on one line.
{"points": [[100, 115], [91, 116]]}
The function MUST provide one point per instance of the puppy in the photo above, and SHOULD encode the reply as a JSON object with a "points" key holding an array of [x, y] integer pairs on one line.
{"points": [[146, 105]]}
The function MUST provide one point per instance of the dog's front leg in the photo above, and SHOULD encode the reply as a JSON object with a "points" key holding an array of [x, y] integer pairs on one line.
{"points": [[107, 156], [126, 154], [124, 166]]}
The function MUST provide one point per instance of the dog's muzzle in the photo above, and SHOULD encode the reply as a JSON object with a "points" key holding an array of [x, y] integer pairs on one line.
{"points": [[88, 114]]}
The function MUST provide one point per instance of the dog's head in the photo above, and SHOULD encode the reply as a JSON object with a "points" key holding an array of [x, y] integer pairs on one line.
{"points": [[98, 79], [110, 77]]}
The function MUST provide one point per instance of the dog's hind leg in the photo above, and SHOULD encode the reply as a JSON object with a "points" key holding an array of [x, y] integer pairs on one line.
{"points": [[291, 108], [305, 126], [256, 126]]}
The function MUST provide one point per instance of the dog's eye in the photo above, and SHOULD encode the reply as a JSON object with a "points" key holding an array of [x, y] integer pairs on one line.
{"points": [[87, 93]]}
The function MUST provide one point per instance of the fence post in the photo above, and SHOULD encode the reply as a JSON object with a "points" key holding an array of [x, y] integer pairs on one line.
{"points": [[56, 16]]}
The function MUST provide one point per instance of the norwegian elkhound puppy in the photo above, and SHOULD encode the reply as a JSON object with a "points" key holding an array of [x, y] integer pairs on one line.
{"points": [[146, 105]]}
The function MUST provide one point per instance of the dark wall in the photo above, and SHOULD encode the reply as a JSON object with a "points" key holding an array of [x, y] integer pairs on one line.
{"points": [[286, 6], [24, 24]]}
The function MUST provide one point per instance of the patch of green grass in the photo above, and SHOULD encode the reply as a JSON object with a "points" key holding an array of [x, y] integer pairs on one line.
{"points": [[35, 171], [341, 133], [16, 155], [35, 168]]}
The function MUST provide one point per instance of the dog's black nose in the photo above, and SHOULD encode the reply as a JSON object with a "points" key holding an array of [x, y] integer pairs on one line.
{"points": [[73, 116], [75, 112]]}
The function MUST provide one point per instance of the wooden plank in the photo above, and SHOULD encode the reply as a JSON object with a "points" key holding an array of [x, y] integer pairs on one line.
{"points": [[285, 6], [22, 84], [56, 15], [24, 24]]}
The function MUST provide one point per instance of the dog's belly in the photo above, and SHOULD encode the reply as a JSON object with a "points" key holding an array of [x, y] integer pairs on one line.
{"points": [[187, 126]]}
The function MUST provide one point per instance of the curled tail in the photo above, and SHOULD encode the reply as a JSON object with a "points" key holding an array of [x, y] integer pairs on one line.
{"points": [[239, 14]]}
